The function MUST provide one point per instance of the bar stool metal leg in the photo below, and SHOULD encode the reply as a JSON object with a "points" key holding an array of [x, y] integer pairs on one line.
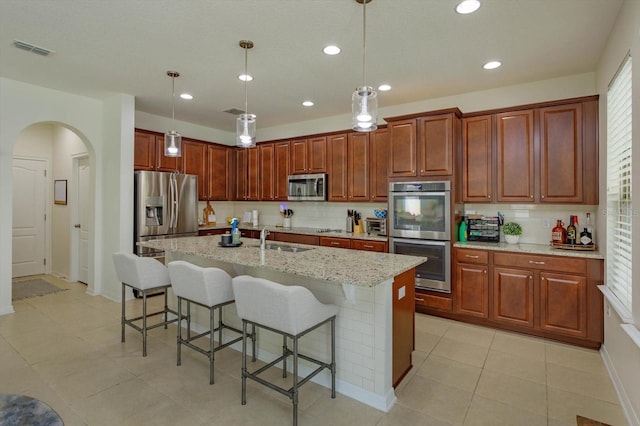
{"points": [[122, 318], [244, 362], [179, 343], [144, 323], [333, 357], [166, 309], [284, 355], [212, 315], [294, 394]]}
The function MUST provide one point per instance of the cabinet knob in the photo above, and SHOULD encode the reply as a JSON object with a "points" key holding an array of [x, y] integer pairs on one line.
{"points": [[489, 196], [530, 277], [542, 196], [472, 257], [485, 272], [419, 300]]}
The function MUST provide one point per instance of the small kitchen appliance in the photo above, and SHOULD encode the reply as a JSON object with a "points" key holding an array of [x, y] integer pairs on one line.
{"points": [[486, 229], [376, 226]]}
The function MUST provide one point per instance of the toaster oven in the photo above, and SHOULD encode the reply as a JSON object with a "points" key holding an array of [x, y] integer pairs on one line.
{"points": [[376, 226]]}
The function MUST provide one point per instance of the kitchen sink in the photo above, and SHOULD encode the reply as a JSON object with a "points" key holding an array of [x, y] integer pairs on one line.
{"points": [[282, 247]]}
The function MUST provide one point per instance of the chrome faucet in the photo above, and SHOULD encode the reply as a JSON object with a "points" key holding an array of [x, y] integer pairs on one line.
{"points": [[263, 237]]}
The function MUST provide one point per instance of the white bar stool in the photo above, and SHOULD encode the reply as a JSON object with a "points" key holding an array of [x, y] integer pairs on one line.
{"points": [[211, 289], [291, 311], [146, 275]]}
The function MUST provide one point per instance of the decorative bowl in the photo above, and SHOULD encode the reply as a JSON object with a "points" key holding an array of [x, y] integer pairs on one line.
{"points": [[380, 213]]}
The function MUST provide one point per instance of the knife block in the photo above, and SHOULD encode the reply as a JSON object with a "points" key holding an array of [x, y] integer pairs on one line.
{"points": [[359, 228]]}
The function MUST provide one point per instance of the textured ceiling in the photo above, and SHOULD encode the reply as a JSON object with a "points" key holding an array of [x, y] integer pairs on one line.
{"points": [[422, 48]]}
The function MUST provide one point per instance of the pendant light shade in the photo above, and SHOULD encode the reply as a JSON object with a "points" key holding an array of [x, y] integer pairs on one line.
{"points": [[364, 101], [173, 139], [246, 123]]}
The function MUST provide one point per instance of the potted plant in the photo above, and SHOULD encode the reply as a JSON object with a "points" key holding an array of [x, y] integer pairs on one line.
{"points": [[512, 232]]}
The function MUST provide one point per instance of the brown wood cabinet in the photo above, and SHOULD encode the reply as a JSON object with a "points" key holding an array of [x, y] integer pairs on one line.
{"points": [[309, 155], [515, 153], [218, 231], [358, 165], [477, 159], [561, 154], [337, 167], [472, 283], [335, 242], [548, 296], [194, 162], [267, 171], [281, 171], [367, 245], [247, 174], [546, 153], [437, 136], [379, 170], [403, 150], [287, 237], [219, 169], [144, 154], [403, 320]]}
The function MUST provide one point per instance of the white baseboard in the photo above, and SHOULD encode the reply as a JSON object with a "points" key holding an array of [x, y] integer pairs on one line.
{"points": [[6, 310], [625, 402]]}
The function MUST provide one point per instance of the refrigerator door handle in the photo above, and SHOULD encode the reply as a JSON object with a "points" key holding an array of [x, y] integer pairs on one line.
{"points": [[176, 202]]}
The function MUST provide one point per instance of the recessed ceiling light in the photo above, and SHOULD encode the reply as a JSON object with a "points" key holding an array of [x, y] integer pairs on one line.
{"points": [[467, 6], [186, 96], [331, 50], [245, 77], [307, 103], [384, 87], [491, 65]]}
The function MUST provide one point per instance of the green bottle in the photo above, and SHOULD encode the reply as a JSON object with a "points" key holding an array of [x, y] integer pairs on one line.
{"points": [[462, 231]]}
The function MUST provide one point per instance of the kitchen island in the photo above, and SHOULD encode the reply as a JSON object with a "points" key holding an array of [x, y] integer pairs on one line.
{"points": [[374, 291]]}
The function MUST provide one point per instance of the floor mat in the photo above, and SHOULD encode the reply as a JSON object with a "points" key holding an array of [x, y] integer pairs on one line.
{"points": [[584, 421], [24, 410], [32, 288]]}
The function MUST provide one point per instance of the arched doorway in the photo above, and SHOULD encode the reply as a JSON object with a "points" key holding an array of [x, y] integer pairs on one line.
{"points": [[62, 152]]}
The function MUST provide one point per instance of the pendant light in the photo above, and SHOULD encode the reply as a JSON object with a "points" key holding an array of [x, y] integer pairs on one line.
{"points": [[246, 123], [364, 101], [173, 139]]}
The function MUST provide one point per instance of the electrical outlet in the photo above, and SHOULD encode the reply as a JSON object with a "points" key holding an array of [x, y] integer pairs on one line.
{"points": [[608, 310], [546, 222]]}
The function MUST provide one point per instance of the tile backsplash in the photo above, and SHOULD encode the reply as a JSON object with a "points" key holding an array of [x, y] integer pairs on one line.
{"points": [[538, 220], [311, 214]]}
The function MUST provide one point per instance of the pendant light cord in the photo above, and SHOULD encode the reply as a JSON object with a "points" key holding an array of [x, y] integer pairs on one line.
{"points": [[364, 43], [246, 77], [173, 97]]}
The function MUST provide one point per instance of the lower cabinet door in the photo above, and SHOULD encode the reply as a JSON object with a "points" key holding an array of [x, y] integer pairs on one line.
{"points": [[563, 304], [513, 296], [472, 290]]}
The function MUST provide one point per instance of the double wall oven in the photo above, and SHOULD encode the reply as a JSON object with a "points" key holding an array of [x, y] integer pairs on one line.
{"points": [[419, 225]]}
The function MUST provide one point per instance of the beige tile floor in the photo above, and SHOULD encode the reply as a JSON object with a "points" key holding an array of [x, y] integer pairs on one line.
{"points": [[65, 349]]}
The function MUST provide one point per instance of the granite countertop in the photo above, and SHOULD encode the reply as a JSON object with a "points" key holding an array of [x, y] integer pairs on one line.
{"points": [[544, 249], [301, 230], [342, 266]]}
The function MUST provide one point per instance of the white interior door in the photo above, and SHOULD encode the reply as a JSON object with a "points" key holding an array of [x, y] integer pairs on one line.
{"points": [[29, 215], [84, 212]]}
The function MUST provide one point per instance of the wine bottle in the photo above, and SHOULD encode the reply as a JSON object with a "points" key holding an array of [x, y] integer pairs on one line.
{"points": [[585, 238], [571, 231]]}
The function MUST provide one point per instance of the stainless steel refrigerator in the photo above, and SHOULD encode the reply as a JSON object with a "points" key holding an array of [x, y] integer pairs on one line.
{"points": [[165, 206]]}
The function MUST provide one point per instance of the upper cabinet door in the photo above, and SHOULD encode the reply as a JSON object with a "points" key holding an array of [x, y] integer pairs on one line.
{"points": [[561, 154], [317, 154], [219, 169], [298, 163], [337, 167], [477, 163], [281, 171], [402, 158], [378, 175], [358, 166], [194, 162], [253, 174], [267, 172], [435, 145], [164, 163], [515, 150], [144, 154]]}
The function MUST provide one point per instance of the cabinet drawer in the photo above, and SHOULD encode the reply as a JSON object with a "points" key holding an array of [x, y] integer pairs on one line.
{"points": [[287, 237], [204, 232], [472, 256], [379, 246], [435, 302], [550, 263], [335, 242]]}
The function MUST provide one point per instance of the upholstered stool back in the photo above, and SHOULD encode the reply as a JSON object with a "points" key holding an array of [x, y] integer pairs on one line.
{"points": [[206, 286]]}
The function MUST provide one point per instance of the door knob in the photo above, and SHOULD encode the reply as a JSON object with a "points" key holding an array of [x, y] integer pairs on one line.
{"points": [[77, 225]]}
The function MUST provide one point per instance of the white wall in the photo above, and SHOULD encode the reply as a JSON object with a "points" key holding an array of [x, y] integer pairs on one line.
{"points": [[621, 354], [102, 125]]}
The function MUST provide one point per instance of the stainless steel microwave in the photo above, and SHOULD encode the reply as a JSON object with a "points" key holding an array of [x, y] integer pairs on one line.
{"points": [[307, 187]]}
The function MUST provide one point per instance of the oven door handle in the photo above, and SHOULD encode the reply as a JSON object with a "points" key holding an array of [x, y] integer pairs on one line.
{"points": [[437, 193], [418, 241]]}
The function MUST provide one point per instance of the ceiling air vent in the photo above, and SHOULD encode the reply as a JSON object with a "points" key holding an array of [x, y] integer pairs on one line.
{"points": [[32, 48], [234, 111]]}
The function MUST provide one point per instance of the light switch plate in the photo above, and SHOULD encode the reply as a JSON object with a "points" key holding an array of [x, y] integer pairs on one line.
{"points": [[402, 291]]}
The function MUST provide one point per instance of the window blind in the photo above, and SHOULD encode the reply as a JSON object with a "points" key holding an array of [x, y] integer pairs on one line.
{"points": [[619, 207]]}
